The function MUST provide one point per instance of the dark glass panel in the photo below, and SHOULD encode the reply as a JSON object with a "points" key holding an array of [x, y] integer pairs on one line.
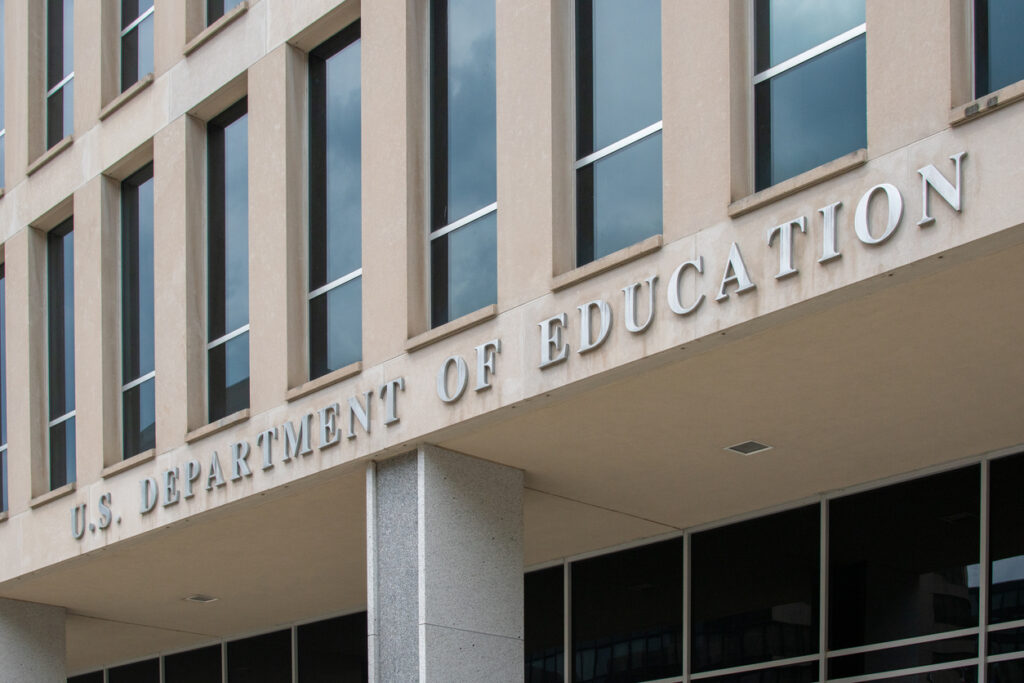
{"points": [[545, 629], [3, 158], [464, 269], [619, 200], [627, 614], [261, 659], [139, 418], [228, 199], [335, 328], [906, 657], [903, 560], [94, 677], [966, 674], [1006, 672], [137, 275], [1006, 542], [786, 28], [229, 377], [137, 53], [139, 672], [335, 159], [800, 673], [3, 354], [131, 9], [60, 19], [3, 80], [755, 590], [334, 650], [3, 480], [195, 666], [1007, 640], [62, 453], [215, 9], [811, 114], [618, 70], [61, 328], [999, 50], [463, 109], [60, 114]]}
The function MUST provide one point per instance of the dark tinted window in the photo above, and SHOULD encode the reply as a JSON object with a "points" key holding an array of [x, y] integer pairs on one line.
{"points": [[998, 48], [215, 9], [335, 214], [903, 560], [3, 388], [60, 25], [261, 659], [195, 666], [3, 115], [801, 673], [139, 419], [627, 614], [786, 28], [136, 40], [94, 677], [545, 625], [228, 261], [905, 657], [755, 590], [334, 650], [139, 672], [61, 343], [1006, 539]]}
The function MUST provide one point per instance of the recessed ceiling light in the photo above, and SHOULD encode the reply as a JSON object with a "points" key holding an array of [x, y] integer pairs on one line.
{"points": [[749, 448], [200, 598]]}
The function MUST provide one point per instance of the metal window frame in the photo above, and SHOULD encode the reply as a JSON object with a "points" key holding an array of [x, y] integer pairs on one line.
{"points": [[334, 284], [224, 339], [138, 20], [464, 221], [809, 54]]}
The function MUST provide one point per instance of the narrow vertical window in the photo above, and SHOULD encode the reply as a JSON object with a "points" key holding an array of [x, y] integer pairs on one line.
{"points": [[215, 9], [137, 369], [335, 208], [61, 343], [810, 87], [463, 154], [136, 41], [3, 389], [228, 262], [3, 107], [998, 48], [618, 125], [60, 70]]}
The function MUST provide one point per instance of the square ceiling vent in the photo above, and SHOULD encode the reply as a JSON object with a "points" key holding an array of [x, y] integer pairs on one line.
{"points": [[749, 448]]}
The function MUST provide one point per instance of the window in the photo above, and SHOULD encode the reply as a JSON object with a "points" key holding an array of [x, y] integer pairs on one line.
{"points": [[3, 112], [136, 41], [335, 208], [61, 340], [60, 70], [260, 658], [998, 48], [3, 389], [228, 262], [810, 101], [147, 671], [138, 412], [463, 157], [618, 125], [215, 9]]}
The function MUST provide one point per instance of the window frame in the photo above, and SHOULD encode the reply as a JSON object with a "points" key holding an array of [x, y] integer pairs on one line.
{"points": [[124, 31], [975, 28], [317, 227], [58, 308], [583, 255], [58, 89], [214, 9], [758, 77], [216, 219], [3, 386]]}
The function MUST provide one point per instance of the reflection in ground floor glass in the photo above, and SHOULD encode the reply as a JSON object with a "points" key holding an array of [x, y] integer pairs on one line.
{"points": [[800, 673], [1011, 671], [906, 657]]}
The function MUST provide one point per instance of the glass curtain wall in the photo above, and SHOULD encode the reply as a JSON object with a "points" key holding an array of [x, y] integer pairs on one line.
{"points": [[60, 70], [916, 581], [136, 41], [228, 262], [335, 204], [138, 373], [618, 125], [463, 158]]}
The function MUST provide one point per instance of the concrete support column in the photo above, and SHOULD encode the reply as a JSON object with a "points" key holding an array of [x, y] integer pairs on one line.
{"points": [[444, 568], [31, 642]]}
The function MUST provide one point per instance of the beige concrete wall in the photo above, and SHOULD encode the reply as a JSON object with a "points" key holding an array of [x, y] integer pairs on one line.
{"points": [[911, 72]]}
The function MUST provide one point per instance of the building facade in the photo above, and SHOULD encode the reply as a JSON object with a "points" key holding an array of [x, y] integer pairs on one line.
{"points": [[493, 340]]}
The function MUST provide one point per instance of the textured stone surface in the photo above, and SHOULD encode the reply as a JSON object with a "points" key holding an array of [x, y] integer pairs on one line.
{"points": [[31, 642], [464, 656]]}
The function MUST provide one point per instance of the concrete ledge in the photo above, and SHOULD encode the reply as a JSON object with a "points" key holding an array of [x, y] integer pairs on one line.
{"points": [[128, 463], [452, 327], [216, 27], [126, 96], [797, 183], [49, 154], [3, 516], [605, 263], [49, 496], [988, 103], [350, 370], [214, 427]]}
